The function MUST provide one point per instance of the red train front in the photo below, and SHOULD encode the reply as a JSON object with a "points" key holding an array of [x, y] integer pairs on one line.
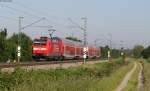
{"points": [[58, 49], [47, 48]]}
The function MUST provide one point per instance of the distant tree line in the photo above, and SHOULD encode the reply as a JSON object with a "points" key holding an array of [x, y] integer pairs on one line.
{"points": [[146, 53], [140, 52], [115, 53], [137, 52], [8, 46]]}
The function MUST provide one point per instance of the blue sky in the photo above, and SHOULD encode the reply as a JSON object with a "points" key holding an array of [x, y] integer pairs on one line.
{"points": [[126, 20]]}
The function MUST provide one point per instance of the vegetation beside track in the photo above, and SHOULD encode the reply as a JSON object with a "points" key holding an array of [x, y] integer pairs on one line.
{"points": [[101, 76]]}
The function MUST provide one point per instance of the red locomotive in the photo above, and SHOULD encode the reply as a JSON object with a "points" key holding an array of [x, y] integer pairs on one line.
{"points": [[58, 49]]}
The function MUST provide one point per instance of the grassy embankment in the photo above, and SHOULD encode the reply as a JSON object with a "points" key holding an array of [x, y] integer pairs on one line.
{"points": [[147, 75], [97, 77]]}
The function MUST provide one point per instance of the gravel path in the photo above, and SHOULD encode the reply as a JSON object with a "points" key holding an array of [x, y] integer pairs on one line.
{"points": [[126, 78], [52, 66]]}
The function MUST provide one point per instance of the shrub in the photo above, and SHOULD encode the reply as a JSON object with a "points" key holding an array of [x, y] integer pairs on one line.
{"points": [[21, 77], [148, 60]]}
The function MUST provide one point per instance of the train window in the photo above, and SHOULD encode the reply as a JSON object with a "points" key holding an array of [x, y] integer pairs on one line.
{"points": [[39, 43]]}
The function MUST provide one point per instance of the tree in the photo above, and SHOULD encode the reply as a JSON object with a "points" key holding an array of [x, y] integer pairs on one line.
{"points": [[26, 47], [115, 53], [8, 46], [104, 51], [128, 52], [3, 35], [137, 50], [146, 52]]}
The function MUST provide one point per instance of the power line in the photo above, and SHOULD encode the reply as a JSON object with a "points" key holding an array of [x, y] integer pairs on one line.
{"points": [[77, 25], [21, 11], [43, 26], [84, 28], [43, 14], [36, 12], [18, 10], [33, 23]]}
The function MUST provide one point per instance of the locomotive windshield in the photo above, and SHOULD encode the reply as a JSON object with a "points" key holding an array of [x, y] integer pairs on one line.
{"points": [[39, 43], [55, 39]]}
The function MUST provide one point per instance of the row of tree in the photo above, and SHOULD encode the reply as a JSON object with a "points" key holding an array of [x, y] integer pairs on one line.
{"points": [[140, 52], [137, 52], [8, 46], [146, 53], [115, 53]]}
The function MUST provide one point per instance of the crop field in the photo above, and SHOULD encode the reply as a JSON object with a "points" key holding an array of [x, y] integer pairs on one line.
{"points": [[97, 77]]}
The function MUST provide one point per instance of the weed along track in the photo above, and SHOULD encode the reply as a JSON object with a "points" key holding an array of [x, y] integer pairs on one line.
{"points": [[46, 65]]}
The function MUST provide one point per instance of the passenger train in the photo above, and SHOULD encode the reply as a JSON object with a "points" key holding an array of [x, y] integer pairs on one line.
{"points": [[60, 49]]}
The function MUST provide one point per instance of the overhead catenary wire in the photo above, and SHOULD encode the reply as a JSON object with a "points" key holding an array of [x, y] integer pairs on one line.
{"points": [[33, 23], [82, 28], [18, 10], [43, 14], [77, 25], [36, 14]]}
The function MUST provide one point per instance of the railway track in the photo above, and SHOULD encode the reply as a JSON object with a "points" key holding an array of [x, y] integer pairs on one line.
{"points": [[24, 64]]}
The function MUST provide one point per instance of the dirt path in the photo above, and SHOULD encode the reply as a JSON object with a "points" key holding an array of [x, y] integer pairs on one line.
{"points": [[140, 79], [126, 78]]}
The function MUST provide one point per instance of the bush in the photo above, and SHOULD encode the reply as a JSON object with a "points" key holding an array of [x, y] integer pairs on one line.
{"points": [[146, 52], [148, 60], [10, 80], [21, 77]]}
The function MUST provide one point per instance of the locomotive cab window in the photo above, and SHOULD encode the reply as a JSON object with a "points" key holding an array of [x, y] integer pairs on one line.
{"points": [[55, 40], [39, 43]]}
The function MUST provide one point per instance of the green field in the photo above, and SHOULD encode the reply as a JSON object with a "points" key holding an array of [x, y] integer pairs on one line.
{"points": [[97, 77]]}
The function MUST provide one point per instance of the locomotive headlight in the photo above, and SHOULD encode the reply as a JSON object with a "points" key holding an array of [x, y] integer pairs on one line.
{"points": [[35, 48], [43, 49]]}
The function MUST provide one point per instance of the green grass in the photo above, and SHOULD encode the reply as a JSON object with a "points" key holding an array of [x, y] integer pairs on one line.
{"points": [[133, 82], [147, 75], [97, 77], [111, 82]]}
